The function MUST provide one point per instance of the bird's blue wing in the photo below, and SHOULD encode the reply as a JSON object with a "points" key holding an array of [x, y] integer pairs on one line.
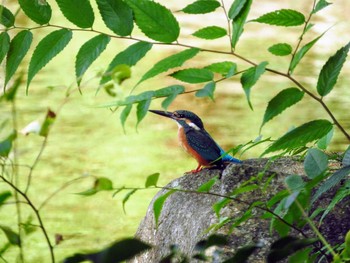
{"points": [[203, 144]]}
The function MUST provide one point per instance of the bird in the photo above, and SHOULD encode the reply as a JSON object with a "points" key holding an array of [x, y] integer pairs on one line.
{"points": [[196, 140]]}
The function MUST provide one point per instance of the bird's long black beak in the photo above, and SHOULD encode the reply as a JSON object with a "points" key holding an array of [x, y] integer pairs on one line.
{"points": [[167, 114]]}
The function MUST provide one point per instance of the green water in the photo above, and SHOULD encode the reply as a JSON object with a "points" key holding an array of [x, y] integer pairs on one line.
{"points": [[87, 141]]}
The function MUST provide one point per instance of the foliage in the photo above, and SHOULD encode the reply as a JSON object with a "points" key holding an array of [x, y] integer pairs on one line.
{"points": [[159, 27]]}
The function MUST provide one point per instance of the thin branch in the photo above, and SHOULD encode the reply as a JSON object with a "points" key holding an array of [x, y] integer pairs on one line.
{"points": [[37, 214]]}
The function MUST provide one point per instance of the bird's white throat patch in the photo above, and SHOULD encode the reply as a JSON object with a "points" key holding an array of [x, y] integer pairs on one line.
{"points": [[194, 126]]}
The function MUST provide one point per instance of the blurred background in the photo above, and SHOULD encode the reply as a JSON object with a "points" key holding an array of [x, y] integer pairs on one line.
{"points": [[89, 141]]}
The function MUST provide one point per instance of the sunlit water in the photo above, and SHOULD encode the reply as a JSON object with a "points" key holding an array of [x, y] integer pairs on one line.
{"points": [[89, 141]]}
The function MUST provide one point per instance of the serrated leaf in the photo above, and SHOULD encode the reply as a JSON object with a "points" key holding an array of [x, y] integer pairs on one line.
{"points": [[325, 140], [117, 16], [346, 157], [152, 180], [244, 189], [238, 23], [236, 8], [155, 21], [119, 251], [210, 32], [332, 181], [158, 205], [201, 7], [250, 77], [130, 56], [124, 115], [6, 145], [37, 10], [6, 17], [193, 75], [283, 100], [127, 196], [167, 63], [4, 45], [79, 12], [88, 53], [142, 109], [12, 237], [301, 135], [205, 187], [282, 17], [19, 47], [315, 163], [301, 53], [207, 91], [223, 68], [320, 5], [280, 49], [46, 50], [164, 92], [330, 71]]}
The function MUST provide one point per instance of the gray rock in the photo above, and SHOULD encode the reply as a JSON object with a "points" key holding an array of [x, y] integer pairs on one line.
{"points": [[186, 217]]}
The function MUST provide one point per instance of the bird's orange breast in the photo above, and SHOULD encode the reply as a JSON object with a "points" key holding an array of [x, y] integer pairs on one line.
{"points": [[184, 144]]}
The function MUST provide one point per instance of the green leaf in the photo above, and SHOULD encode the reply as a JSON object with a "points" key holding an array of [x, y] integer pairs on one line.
{"points": [[6, 145], [172, 61], [12, 237], [320, 5], [37, 10], [332, 181], [243, 253], [280, 49], [79, 12], [294, 183], [346, 157], [47, 124], [284, 99], [130, 56], [155, 21], [127, 196], [142, 109], [205, 187], [301, 135], [343, 192], [210, 32], [124, 115], [88, 53], [100, 184], [301, 53], [236, 8], [238, 22], [4, 196], [10, 93], [4, 45], [47, 49], [193, 75], [250, 77], [223, 68], [325, 140], [244, 189], [19, 47], [6, 17], [119, 251], [158, 205], [282, 17], [219, 205], [152, 180], [170, 93], [207, 91], [117, 16], [201, 7], [315, 163], [330, 71]]}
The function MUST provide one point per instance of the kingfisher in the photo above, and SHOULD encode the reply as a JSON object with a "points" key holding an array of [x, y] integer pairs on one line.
{"points": [[196, 140]]}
